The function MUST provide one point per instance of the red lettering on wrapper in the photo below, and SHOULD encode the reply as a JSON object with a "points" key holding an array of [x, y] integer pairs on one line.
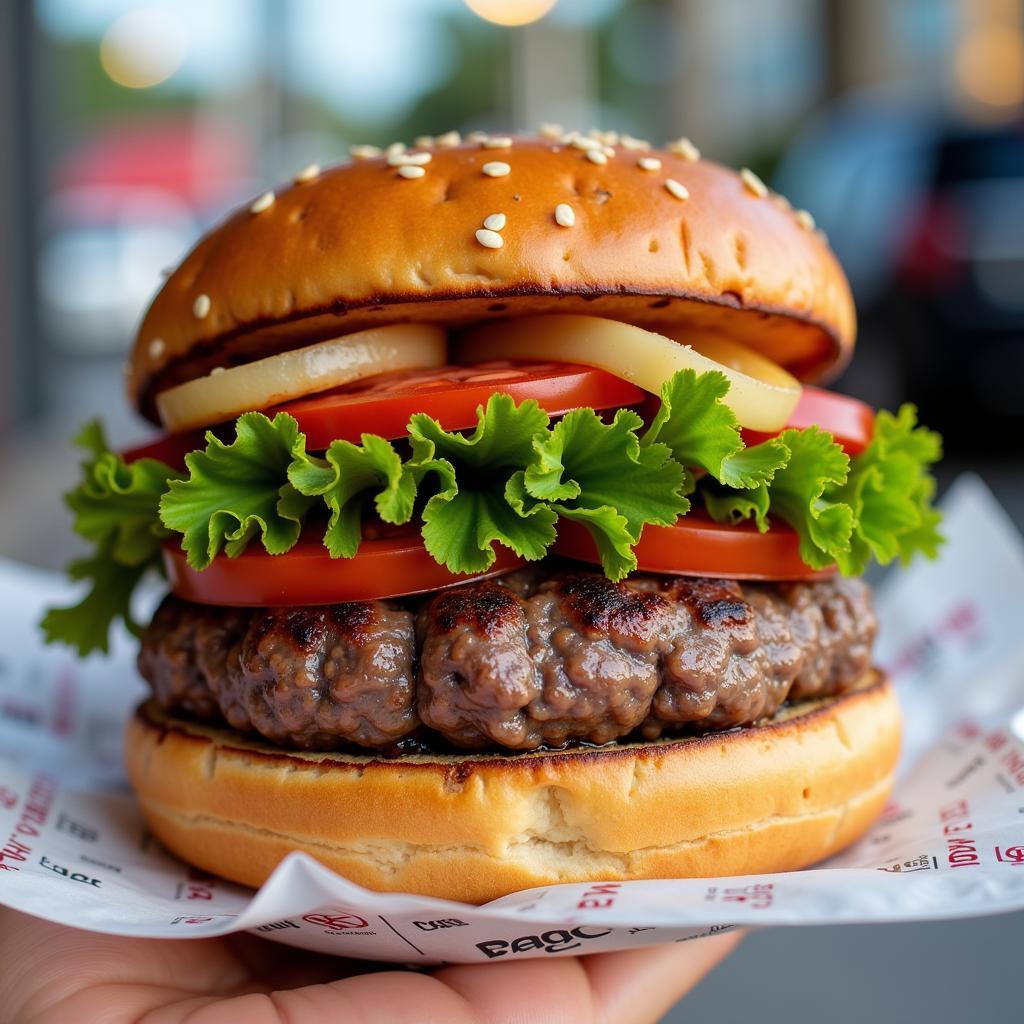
{"points": [[760, 895], [599, 896], [1013, 761], [995, 741], [953, 811], [339, 921], [962, 624], [33, 816], [1010, 855], [961, 851]]}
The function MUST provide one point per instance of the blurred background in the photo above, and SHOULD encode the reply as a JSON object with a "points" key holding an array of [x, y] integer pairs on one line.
{"points": [[127, 128]]}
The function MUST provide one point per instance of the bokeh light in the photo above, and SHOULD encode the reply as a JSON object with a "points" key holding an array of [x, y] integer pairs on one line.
{"points": [[510, 12], [143, 48], [990, 65]]}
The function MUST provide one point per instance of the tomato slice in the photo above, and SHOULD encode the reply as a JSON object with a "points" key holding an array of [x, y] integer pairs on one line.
{"points": [[382, 405], [698, 546], [451, 394], [392, 564], [170, 448], [850, 421]]}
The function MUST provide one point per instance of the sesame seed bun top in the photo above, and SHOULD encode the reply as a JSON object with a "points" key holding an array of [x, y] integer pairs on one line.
{"points": [[647, 236]]}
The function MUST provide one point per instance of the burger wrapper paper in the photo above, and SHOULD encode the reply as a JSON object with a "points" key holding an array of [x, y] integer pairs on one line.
{"points": [[74, 848]]}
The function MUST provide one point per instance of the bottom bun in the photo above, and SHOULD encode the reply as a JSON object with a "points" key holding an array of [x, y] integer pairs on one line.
{"points": [[473, 827]]}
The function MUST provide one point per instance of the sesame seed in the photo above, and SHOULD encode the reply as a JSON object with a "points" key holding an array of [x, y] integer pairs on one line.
{"points": [[496, 169], [685, 148], [490, 239], [753, 184], [396, 147], [201, 307], [411, 171], [649, 163], [157, 348], [496, 142], [629, 142], [805, 219], [265, 202], [449, 139], [495, 222], [424, 141], [565, 215], [550, 131], [216, 370], [677, 189], [609, 151], [595, 156], [477, 136], [402, 159], [584, 142], [308, 173], [364, 152], [781, 201]]}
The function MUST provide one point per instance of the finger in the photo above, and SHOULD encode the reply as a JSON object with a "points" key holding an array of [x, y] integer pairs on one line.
{"points": [[280, 966], [638, 986], [553, 991], [632, 986], [383, 998], [45, 963]]}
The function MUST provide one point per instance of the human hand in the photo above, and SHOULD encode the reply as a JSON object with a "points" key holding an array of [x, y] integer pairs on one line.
{"points": [[50, 974]]}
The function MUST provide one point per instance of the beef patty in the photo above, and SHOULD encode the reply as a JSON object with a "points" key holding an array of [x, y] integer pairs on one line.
{"points": [[536, 658]]}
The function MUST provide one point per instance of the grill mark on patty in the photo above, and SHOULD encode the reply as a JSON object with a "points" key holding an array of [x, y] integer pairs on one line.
{"points": [[487, 608], [715, 602], [720, 613], [306, 627], [355, 621], [602, 607]]}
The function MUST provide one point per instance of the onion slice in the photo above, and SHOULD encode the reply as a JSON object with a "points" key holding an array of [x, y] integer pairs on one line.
{"points": [[761, 394], [227, 393], [734, 355]]}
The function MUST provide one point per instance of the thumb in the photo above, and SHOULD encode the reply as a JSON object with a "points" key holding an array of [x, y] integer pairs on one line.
{"points": [[638, 986]]}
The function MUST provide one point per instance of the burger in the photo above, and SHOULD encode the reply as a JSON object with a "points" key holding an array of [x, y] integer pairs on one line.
{"points": [[509, 540]]}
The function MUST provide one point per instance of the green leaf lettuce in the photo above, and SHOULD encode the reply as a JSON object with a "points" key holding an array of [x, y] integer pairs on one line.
{"points": [[505, 482], [239, 491], [890, 490], [115, 507], [345, 478], [599, 475], [476, 504], [702, 432]]}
